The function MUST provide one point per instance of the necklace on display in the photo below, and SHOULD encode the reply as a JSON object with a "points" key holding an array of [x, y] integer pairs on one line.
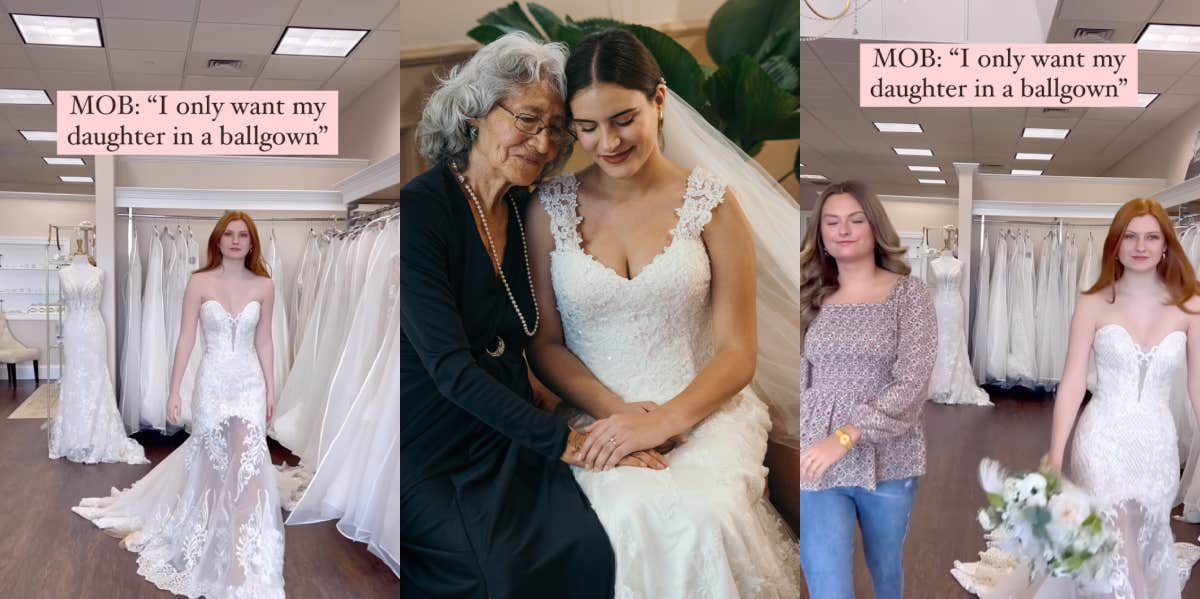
{"points": [[499, 263]]}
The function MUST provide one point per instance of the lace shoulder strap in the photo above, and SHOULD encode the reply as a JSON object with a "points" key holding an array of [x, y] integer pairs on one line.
{"points": [[558, 197], [704, 192]]}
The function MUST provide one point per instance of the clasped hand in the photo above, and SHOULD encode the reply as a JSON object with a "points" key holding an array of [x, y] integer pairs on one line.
{"points": [[634, 429]]}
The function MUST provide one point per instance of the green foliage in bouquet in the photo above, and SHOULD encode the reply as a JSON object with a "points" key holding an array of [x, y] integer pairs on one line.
{"points": [[751, 95]]}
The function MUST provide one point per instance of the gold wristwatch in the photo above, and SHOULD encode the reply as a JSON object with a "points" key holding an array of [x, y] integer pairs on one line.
{"points": [[844, 439]]}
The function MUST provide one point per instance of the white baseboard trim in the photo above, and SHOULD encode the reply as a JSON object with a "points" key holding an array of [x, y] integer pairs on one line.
{"points": [[25, 371]]}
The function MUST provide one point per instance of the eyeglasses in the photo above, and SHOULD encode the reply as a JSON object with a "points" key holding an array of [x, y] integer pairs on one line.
{"points": [[532, 125]]}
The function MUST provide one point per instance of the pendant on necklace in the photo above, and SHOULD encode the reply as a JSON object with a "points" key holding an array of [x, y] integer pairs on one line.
{"points": [[499, 351]]}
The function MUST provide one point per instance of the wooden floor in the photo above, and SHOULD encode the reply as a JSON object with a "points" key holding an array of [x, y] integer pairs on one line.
{"points": [[943, 526], [49, 552]]}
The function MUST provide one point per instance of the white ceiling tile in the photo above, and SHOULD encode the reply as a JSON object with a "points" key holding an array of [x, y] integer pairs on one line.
{"points": [[392, 22], [835, 49], [13, 57], [1165, 63], [1180, 12], [135, 34], [8, 32], [1063, 31], [166, 10], [379, 44], [1156, 84], [64, 8], [41, 118], [238, 39], [1186, 85], [258, 12], [19, 79], [1113, 114], [200, 82], [152, 62], [145, 81], [287, 84], [58, 58], [1113, 10], [197, 64], [301, 67], [362, 71], [360, 14], [70, 80]]}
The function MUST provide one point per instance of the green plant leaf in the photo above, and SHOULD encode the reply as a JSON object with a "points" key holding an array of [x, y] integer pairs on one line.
{"points": [[742, 26], [570, 35], [679, 67], [486, 34], [511, 16], [995, 499], [598, 24], [750, 105], [784, 73], [547, 19]]}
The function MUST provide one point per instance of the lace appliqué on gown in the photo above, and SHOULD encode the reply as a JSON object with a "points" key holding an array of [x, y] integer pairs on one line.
{"points": [[646, 338], [206, 521]]}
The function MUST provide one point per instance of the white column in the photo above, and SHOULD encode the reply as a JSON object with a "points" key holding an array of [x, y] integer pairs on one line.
{"points": [[106, 250], [966, 206]]}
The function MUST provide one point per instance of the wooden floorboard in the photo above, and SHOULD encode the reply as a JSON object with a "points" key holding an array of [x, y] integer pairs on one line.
{"points": [[49, 552], [943, 526]]}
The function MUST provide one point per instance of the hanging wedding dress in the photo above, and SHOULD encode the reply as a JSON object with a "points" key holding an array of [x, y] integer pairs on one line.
{"points": [[357, 479], [87, 426], [997, 341], [1090, 273], [305, 292], [1022, 367], [1135, 482], [952, 381], [155, 355], [1056, 307], [188, 384], [1185, 416], [279, 328], [980, 332], [1042, 316], [367, 336], [708, 508], [131, 348], [175, 270], [206, 520]]}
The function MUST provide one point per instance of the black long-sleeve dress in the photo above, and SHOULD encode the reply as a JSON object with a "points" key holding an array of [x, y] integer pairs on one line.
{"points": [[488, 509]]}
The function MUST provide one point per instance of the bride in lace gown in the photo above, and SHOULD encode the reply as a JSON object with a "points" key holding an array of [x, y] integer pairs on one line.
{"points": [[1140, 321], [645, 284], [206, 520]]}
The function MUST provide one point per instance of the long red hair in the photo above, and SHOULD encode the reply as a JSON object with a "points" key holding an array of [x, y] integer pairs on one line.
{"points": [[1174, 268], [254, 259]]}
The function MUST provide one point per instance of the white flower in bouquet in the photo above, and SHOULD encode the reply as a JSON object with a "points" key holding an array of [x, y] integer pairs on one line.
{"points": [[1032, 490], [1011, 493], [986, 521], [1068, 510], [992, 476]]}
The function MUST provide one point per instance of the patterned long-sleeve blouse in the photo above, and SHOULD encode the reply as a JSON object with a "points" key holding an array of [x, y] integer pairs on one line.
{"points": [[868, 365]]}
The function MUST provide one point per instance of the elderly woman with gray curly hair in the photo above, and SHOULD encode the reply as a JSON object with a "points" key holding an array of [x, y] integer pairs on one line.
{"points": [[489, 507]]}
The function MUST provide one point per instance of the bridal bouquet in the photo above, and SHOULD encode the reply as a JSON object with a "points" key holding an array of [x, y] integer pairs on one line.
{"points": [[1049, 523]]}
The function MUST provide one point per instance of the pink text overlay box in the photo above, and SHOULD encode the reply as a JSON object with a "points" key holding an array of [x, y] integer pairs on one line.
{"points": [[159, 122], [1088, 74]]}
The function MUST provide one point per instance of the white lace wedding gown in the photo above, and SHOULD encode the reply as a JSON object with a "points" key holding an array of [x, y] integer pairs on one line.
{"points": [[1124, 454], [206, 520], [87, 425], [952, 381], [702, 527]]}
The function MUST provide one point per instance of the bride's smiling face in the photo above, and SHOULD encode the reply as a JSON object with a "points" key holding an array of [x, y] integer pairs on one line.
{"points": [[1142, 244], [617, 125]]}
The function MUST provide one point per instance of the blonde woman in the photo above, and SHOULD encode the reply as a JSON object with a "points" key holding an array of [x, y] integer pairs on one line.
{"points": [[870, 341]]}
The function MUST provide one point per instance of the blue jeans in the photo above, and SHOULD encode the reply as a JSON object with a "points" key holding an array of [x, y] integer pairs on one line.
{"points": [[827, 521]]}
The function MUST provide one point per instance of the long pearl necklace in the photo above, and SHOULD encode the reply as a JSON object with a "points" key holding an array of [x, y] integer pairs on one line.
{"points": [[499, 263]]}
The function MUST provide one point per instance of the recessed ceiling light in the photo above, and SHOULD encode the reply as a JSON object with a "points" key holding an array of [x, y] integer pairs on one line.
{"points": [[925, 169], [811, 177], [1145, 100], [1025, 171], [913, 151], [933, 181], [40, 135], [69, 179], [899, 128], [1170, 38], [63, 161], [1033, 156], [304, 41], [1038, 133], [59, 31], [23, 96]]}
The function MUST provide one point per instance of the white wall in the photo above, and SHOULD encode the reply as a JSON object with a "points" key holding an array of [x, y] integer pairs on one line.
{"points": [[1064, 190], [370, 126], [909, 217]]}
